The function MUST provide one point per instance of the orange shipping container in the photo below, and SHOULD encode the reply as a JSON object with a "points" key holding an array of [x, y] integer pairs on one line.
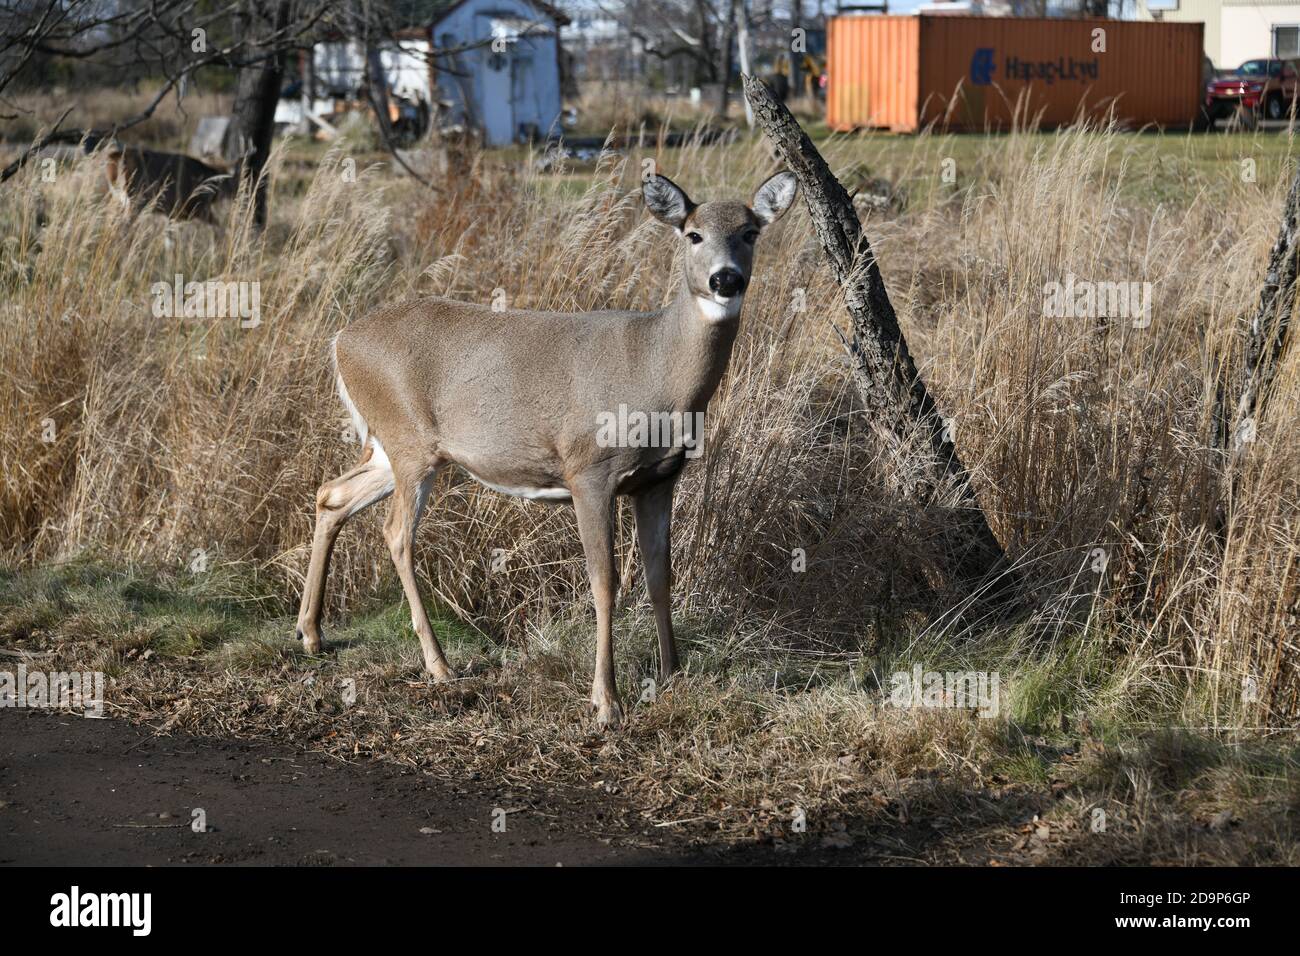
{"points": [[976, 73]]}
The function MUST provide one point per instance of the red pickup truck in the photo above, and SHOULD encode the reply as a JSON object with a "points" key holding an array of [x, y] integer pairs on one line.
{"points": [[1266, 88]]}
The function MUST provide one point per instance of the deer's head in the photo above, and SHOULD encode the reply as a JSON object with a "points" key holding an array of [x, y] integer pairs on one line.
{"points": [[719, 237]]}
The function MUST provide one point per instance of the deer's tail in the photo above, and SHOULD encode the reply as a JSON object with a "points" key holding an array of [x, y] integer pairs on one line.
{"points": [[358, 423]]}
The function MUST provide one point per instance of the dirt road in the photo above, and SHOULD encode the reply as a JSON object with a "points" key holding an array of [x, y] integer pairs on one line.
{"points": [[79, 791]]}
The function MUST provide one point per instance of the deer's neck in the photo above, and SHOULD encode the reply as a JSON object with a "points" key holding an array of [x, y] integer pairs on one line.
{"points": [[698, 346]]}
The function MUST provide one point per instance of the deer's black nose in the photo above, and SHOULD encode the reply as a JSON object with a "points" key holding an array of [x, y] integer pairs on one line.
{"points": [[727, 282]]}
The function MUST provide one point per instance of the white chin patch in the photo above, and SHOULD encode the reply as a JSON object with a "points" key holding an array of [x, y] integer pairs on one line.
{"points": [[716, 308]]}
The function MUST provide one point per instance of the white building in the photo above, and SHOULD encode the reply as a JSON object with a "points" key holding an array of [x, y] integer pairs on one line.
{"points": [[967, 8], [1249, 30], [340, 68], [1235, 30]]}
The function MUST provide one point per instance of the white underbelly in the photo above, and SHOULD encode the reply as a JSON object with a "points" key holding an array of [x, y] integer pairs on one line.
{"points": [[532, 494]]}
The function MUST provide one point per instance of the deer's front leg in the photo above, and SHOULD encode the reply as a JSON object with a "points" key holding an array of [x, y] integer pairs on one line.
{"points": [[654, 510], [595, 510]]}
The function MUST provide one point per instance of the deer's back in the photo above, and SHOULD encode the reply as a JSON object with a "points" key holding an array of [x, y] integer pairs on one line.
{"points": [[180, 186]]}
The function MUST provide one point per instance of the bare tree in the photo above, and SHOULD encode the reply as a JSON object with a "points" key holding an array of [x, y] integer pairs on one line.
{"points": [[701, 32], [171, 41], [257, 90]]}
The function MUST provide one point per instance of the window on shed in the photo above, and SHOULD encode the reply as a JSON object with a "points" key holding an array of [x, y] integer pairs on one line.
{"points": [[1286, 41]]}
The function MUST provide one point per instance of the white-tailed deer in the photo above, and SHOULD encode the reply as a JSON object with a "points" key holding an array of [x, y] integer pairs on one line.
{"points": [[178, 186], [517, 400]]}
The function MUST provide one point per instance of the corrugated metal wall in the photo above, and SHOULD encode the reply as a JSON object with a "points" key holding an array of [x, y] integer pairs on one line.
{"points": [[873, 72], [978, 73]]}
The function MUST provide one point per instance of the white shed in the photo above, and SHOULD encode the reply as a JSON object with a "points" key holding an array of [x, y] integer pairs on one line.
{"points": [[509, 87], [340, 68]]}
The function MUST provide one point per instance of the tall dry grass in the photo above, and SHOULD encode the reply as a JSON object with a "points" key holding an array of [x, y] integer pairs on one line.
{"points": [[172, 436], [32, 112]]}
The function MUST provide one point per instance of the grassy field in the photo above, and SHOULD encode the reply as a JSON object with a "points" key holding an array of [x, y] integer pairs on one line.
{"points": [[756, 735], [160, 475]]}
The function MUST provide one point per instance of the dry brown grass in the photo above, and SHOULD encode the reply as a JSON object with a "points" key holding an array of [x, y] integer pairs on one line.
{"points": [[1083, 434], [169, 128], [627, 107]]}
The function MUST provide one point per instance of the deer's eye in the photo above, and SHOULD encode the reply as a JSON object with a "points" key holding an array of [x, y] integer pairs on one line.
{"points": [[751, 237], [695, 238]]}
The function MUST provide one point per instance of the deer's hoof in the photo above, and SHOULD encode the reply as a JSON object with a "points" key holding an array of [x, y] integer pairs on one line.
{"points": [[310, 642], [441, 673], [609, 715]]}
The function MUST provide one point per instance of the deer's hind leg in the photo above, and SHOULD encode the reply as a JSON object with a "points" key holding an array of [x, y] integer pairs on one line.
{"points": [[409, 498], [336, 502]]}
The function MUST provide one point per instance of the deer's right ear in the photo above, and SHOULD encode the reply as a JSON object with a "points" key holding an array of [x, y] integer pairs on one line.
{"points": [[774, 197], [666, 201]]}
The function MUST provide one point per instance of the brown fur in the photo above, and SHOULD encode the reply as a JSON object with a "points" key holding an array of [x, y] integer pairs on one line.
{"points": [[179, 186], [514, 398]]}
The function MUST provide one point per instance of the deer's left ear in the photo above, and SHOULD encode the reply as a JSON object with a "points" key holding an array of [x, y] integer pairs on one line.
{"points": [[775, 197]]}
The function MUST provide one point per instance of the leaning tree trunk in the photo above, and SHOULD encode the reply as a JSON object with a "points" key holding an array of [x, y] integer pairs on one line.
{"points": [[894, 396], [1244, 392], [1267, 337], [257, 90]]}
